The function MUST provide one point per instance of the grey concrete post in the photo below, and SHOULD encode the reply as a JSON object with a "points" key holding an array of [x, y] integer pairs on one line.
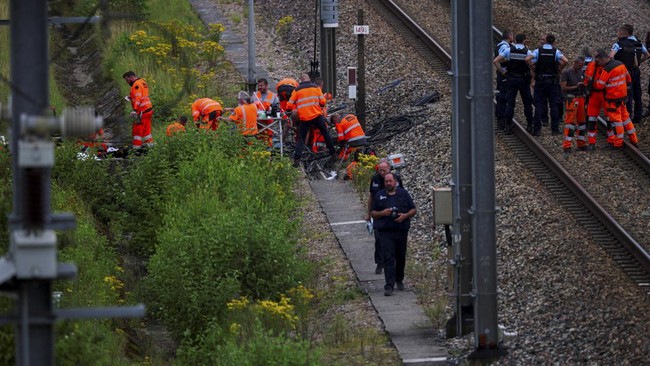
{"points": [[29, 75], [462, 168], [361, 74], [483, 196], [252, 77]]}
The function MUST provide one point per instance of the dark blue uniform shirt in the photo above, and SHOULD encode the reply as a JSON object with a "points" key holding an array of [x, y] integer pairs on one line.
{"points": [[404, 203]]}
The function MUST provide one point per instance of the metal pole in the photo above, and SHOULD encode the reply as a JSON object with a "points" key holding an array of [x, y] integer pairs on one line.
{"points": [[252, 79], [462, 168], [483, 196], [361, 74], [29, 73]]}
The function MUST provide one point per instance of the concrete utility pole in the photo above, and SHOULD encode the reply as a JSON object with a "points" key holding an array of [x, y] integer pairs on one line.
{"points": [[329, 15], [252, 77], [29, 70], [361, 73], [483, 196], [461, 322]]}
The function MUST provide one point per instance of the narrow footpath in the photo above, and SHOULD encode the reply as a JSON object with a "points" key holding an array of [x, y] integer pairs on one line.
{"points": [[409, 329]]}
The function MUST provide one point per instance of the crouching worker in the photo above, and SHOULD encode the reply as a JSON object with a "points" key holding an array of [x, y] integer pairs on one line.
{"points": [[176, 127], [244, 115], [350, 134]]}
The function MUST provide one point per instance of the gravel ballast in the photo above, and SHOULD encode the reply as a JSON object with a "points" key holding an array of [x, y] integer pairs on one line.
{"points": [[563, 296]]}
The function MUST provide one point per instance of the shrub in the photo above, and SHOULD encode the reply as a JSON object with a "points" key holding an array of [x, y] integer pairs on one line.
{"points": [[225, 347], [362, 173], [225, 231]]}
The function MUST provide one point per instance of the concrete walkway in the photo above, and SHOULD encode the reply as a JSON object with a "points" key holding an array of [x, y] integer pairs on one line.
{"points": [[407, 325]]}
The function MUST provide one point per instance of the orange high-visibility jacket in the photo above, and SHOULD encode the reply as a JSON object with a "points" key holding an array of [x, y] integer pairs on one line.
{"points": [[139, 96], [308, 100], [593, 72], [245, 117], [349, 129], [201, 109], [285, 88], [264, 102], [174, 128], [615, 78]]}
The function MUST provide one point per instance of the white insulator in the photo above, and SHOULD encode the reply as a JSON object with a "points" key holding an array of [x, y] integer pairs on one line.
{"points": [[80, 122]]}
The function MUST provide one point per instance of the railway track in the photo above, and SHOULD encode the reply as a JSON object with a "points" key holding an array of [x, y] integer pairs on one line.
{"points": [[431, 50], [629, 255]]}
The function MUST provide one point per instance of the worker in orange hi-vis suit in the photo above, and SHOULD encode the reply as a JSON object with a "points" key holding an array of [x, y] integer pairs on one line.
{"points": [[573, 88], [244, 115], [595, 103], [308, 102], [95, 143], [265, 99], [206, 113], [615, 79], [142, 110], [176, 127], [350, 134], [285, 88]]}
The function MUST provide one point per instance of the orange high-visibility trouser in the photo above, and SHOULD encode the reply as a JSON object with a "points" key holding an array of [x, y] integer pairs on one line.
{"points": [[574, 119], [596, 104], [142, 131], [620, 119]]}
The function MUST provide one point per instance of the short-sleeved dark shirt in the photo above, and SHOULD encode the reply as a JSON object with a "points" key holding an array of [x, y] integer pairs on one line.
{"points": [[377, 183], [404, 203], [572, 78]]}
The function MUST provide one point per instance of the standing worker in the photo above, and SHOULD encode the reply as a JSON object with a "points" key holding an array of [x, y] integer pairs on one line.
{"points": [[206, 113], [244, 115], [573, 88], [502, 84], [376, 185], [392, 209], [595, 103], [614, 79], [548, 61], [308, 102], [631, 52], [142, 110], [176, 127], [518, 77]]}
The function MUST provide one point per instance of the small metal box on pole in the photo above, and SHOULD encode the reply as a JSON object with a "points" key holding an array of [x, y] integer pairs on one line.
{"points": [[442, 206]]}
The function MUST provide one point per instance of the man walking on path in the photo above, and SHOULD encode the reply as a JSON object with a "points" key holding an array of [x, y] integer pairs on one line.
{"points": [[392, 209], [376, 185]]}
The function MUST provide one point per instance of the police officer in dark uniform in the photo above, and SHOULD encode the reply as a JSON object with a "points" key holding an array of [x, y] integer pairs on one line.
{"points": [[392, 209], [548, 61], [631, 52], [502, 85], [376, 185], [518, 77]]}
